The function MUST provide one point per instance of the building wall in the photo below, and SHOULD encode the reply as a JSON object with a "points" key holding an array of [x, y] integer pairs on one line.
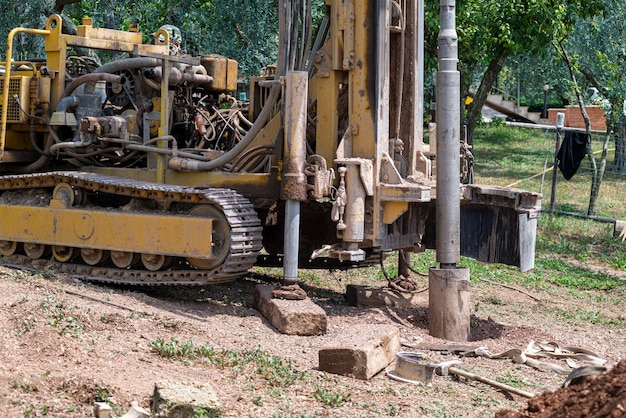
{"points": [[574, 119]]}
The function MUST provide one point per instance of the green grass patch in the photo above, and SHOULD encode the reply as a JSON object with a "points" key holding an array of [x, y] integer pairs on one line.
{"points": [[330, 396], [60, 314], [505, 156], [563, 274], [592, 317], [276, 371]]}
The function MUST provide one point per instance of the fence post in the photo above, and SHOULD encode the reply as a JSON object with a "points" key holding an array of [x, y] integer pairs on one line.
{"points": [[560, 122]]}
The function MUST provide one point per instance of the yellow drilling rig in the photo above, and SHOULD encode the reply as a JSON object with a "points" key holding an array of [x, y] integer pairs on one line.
{"points": [[150, 169]]}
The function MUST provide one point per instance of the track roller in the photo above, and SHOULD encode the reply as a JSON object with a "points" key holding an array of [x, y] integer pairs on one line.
{"points": [[36, 251], [64, 254], [125, 259], [94, 256], [8, 248], [155, 262]]}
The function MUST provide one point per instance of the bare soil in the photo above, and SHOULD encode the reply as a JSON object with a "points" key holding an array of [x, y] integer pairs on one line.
{"points": [[67, 343], [596, 396]]}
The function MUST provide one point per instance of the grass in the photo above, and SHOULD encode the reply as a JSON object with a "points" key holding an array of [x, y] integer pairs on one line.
{"points": [[274, 370], [574, 256], [506, 155], [330, 397], [59, 314]]}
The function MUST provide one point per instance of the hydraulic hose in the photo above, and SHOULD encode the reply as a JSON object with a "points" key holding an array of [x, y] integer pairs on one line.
{"points": [[182, 164], [91, 78], [128, 64]]}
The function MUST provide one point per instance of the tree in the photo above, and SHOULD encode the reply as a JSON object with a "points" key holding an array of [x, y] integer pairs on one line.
{"points": [[598, 47], [491, 31], [245, 30]]}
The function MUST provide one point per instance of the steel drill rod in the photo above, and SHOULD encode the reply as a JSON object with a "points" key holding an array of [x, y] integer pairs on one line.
{"points": [[472, 376], [448, 141]]}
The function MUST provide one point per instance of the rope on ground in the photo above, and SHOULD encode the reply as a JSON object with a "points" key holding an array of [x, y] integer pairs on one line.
{"points": [[116, 305], [511, 287]]}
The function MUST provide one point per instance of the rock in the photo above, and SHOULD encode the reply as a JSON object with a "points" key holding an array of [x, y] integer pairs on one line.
{"points": [[136, 411], [291, 317], [102, 410], [183, 400], [362, 351]]}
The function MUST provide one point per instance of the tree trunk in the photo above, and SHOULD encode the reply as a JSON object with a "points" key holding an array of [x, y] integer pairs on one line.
{"points": [[480, 97], [619, 163], [615, 124], [597, 178], [69, 28]]}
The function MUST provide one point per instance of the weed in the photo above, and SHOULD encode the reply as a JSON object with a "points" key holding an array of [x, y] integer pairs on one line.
{"points": [[27, 324], [494, 300], [392, 410], [24, 299], [512, 380], [24, 387], [329, 397], [276, 371], [173, 348], [617, 261], [59, 314], [201, 413], [592, 317], [170, 323], [30, 412], [559, 272], [103, 394]]}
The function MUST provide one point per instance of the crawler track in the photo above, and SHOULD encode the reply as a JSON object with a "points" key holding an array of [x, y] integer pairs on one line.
{"points": [[245, 228]]}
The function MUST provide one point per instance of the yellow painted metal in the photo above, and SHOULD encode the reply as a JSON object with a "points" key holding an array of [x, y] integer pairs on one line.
{"points": [[121, 231], [86, 30], [56, 52], [7, 80], [362, 121], [163, 128], [223, 70], [393, 210], [327, 116], [249, 184], [405, 192]]}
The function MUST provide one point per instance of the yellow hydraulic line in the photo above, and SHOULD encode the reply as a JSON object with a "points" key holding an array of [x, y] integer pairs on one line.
{"points": [[7, 79]]}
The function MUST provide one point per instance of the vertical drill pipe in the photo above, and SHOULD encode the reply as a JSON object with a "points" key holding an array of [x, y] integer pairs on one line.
{"points": [[294, 188], [292, 238], [448, 205], [354, 215], [294, 184]]}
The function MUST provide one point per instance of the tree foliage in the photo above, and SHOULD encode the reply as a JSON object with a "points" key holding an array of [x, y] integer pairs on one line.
{"points": [[245, 30], [490, 31]]}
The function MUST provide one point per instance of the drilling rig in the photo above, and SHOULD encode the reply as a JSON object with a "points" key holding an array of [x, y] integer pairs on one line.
{"points": [[149, 169]]}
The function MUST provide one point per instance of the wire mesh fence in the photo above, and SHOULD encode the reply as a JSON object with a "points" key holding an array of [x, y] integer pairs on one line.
{"points": [[573, 196]]}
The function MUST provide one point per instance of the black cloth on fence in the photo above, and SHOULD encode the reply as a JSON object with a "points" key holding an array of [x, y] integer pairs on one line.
{"points": [[572, 152]]}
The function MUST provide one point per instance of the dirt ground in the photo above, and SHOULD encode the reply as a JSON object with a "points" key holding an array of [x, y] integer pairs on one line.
{"points": [[67, 343]]}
